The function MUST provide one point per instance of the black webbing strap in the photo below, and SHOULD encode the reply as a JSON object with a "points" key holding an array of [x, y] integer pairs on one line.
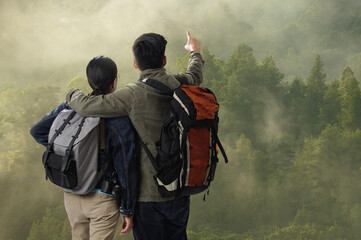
{"points": [[57, 133], [162, 87], [65, 164], [182, 79], [215, 135], [103, 158], [102, 134], [158, 85], [60, 130], [221, 148], [149, 154]]}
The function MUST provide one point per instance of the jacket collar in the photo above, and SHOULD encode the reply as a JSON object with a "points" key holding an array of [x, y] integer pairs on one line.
{"points": [[152, 73]]}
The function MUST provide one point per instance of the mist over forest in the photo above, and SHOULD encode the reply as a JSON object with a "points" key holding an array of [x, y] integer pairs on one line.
{"points": [[286, 74]]}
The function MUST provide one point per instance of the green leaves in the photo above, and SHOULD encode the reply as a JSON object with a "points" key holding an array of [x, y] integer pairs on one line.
{"points": [[351, 100], [294, 149], [54, 223]]}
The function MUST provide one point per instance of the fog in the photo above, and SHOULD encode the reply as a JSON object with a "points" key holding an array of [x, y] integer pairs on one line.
{"points": [[46, 44]]}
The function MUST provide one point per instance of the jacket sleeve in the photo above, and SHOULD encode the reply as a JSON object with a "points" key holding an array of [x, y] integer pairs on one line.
{"points": [[115, 104], [194, 71], [125, 165], [40, 129]]}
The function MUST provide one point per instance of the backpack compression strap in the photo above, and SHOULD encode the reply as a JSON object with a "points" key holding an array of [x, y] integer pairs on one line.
{"points": [[60, 130], [71, 144], [57, 133], [222, 149], [66, 161]]}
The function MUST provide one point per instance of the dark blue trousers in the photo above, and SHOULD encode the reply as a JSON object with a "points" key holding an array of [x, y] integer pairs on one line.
{"points": [[161, 220]]}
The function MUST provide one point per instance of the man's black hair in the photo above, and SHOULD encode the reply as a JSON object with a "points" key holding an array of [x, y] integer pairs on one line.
{"points": [[148, 50], [101, 72]]}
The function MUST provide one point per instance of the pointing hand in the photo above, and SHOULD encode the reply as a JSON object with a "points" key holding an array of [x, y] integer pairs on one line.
{"points": [[192, 44]]}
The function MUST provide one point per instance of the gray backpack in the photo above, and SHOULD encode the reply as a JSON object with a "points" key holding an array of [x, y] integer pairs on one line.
{"points": [[75, 145]]}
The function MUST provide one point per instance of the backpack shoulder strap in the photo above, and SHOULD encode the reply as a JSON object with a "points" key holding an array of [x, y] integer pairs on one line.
{"points": [[182, 79], [158, 85], [102, 134], [149, 154], [102, 155]]}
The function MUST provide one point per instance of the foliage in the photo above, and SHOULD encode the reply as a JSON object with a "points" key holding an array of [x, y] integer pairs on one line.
{"points": [[295, 166], [351, 100], [54, 223], [294, 152], [293, 144], [182, 63], [80, 83], [212, 234], [21, 173]]}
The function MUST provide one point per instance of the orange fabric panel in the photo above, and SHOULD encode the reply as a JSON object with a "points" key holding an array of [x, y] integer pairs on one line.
{"points": [[199, 153], [204, 102]]}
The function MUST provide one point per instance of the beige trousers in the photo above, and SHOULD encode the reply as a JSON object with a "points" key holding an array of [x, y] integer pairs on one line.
{"points": [[94, 216]]}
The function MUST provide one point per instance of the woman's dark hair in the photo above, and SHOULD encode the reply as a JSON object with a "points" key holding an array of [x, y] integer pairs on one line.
{"points": [[148, 51], [101, 72]]}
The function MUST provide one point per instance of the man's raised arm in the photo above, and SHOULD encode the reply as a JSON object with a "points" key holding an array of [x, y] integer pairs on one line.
{"points": [[194, 71], [107, 106]]}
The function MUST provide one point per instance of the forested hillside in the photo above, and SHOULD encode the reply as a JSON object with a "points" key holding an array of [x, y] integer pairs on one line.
{"points": [[330, 28], [287, 80], [295, 150]]}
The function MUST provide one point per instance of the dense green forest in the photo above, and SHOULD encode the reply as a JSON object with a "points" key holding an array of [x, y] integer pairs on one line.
{"points": [[287, 80]]}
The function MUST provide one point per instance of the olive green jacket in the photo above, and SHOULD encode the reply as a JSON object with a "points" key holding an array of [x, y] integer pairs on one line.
{"points": [[146, 108]]}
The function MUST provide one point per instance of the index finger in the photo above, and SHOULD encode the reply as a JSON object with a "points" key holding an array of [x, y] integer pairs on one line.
{"points": [[188, 35]]}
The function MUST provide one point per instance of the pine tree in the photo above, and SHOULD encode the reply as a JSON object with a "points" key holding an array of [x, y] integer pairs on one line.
{"points": [[351, 100], [294, 100], [314, 96], [356, 66], [213, 77], [240, 69], [269, 75], [240, 92], [331, 107]]}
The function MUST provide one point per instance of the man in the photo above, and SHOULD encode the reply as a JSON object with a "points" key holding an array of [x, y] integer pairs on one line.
{"points": [[156, 217], [95, 215]]}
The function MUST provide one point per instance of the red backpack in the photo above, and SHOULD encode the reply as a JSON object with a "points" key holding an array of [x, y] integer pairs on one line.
{"points": [[187, 151]]}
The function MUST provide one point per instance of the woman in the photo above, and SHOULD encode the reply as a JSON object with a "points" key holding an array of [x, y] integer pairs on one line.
{"points": [[96, 215]]}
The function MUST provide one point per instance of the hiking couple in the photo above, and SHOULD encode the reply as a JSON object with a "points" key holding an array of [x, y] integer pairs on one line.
{"points": [[137, 109]]}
